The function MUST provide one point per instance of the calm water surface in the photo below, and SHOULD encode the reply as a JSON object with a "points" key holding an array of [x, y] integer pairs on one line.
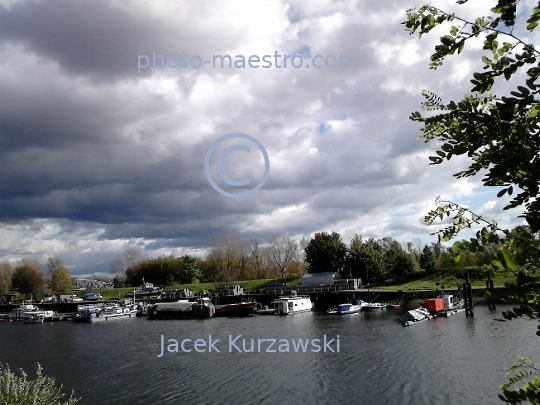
{"points": [[457, 360]]}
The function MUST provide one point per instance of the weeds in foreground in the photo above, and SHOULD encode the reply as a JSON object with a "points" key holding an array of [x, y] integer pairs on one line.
{"points": [[18, 390]]}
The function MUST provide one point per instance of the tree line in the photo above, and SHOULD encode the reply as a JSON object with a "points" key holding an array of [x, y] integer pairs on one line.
{"points": [[28, 276], [230, 257]]}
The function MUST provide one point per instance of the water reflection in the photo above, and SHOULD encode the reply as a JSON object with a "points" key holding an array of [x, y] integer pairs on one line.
{"points": [[454, 360]]}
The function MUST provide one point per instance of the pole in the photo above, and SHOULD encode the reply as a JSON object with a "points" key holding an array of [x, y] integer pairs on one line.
{"points": [[489, 288], [467, 292], [367, 274]]}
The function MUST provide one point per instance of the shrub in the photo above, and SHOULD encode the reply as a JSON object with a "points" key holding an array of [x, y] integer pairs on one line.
{"points": [[15, 390]]}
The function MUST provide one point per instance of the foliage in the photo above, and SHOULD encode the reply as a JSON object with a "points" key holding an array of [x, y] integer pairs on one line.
{"points": [[189, 270], [27, 279], [160, 271], [283, 251], [401, 263], [529, 391], [326, 253], [5, 277], [229, 256], [427, 259], [54, 262], [501, 136], [365, 257], [129, 258], [61, 282], [15, 390]]}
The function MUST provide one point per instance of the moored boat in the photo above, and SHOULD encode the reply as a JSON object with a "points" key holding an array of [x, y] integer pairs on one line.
{"points": [[344, 309], [27, 310], [238, 309], [202, 308], [38, 318], [87, 315], [145, 289], [415, 315], [293, 305], [96, 314], [373, 306]]}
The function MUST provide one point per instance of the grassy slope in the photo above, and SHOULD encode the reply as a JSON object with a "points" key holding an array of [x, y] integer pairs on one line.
{"points": [[447, 277], [246, 285], [420, 281]]}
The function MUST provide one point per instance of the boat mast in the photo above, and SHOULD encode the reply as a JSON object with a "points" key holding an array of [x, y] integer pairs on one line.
{"points": [[367, 273]]}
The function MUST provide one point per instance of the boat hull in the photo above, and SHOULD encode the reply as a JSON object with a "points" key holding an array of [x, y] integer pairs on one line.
{"points": [[236, 310], [181, 310], [373, 307]]}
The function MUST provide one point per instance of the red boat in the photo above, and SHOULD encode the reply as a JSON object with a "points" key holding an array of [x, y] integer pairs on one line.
{"points": [[240, 309]]}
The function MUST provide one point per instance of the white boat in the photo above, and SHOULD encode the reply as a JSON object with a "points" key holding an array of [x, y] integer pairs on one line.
{"points": [[373, 306], [145, 289], [343, 309], [415, 315], [88, 314], [28, 310], [201, 308], [39, 318], [118, 312], [293, 305]]}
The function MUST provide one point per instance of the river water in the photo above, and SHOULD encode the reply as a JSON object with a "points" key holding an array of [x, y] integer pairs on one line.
{"points": [[457, 360]]}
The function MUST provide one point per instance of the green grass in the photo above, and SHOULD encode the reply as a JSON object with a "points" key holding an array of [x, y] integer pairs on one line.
{"points": [[246, 285], [198, 287], [422, 280]]}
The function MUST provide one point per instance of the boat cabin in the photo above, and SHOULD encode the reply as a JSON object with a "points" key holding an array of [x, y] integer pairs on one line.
{"points": [[292, 305]]}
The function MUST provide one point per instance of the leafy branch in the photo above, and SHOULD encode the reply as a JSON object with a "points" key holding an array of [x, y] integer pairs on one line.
{"points": [[530, 390]]}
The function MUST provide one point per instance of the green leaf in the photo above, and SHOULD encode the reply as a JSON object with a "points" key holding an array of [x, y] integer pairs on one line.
{"points": [[509, 259]]}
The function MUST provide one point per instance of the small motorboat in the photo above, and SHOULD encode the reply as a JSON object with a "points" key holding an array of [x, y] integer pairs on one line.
{"points": [[373, 306], [344, 309], [415, 315]]}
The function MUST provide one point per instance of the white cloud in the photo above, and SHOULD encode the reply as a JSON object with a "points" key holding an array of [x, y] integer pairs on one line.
{"points": [[96, 156]]}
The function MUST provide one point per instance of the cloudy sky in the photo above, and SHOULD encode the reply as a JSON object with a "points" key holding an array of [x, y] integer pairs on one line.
{"points": [[101, 148]]}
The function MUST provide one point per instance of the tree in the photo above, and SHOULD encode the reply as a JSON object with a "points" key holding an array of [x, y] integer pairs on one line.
{"points": [[54, 262], [6, 271], [284, 252], [127, 259], [26, 280], [161, 270], [364, 257], [61, 282], [427, 259], [502, 136], [230, 256], [256, 257], [189, 270], [326, 252]]}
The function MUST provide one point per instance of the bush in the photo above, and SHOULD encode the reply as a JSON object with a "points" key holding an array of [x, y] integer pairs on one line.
{"points": [[15, 390]]}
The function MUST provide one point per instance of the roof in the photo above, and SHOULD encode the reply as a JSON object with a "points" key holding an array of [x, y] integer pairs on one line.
{"points": [[327, 274]]}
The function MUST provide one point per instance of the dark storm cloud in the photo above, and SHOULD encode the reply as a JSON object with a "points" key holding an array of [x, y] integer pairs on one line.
{"points": [[85, 37], [94, 156]]}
